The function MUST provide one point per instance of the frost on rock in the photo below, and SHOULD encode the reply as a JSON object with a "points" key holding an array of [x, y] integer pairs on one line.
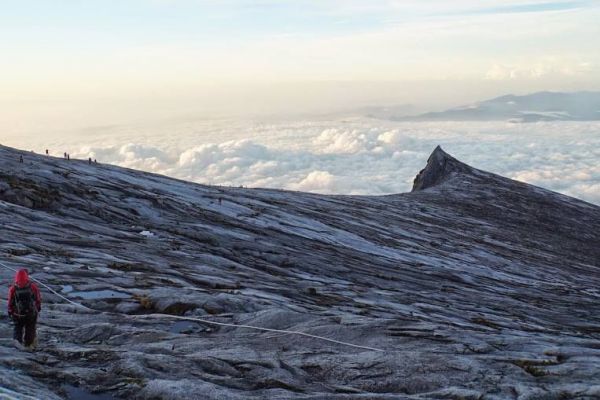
{"points": [[474, 285]]}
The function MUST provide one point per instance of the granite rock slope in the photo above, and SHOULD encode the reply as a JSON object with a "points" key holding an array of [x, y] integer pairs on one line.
{"points": [[474, 285]]}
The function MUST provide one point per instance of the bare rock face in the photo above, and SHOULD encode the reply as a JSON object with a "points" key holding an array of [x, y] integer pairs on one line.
{"points": [[26, 193], [475, 286], [440, 167]]}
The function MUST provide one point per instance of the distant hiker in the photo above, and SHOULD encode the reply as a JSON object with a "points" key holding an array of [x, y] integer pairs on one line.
{"points": [[90, 161], [24, 304], [65, 156], [68, 156], [47, 153], [95, 161], [21, 159]]}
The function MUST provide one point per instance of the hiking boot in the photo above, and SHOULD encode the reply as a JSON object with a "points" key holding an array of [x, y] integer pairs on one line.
{"points": [[33, 346]]}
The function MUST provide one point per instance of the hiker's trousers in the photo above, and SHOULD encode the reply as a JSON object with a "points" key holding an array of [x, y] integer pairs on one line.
{"points": [[25, 327]]}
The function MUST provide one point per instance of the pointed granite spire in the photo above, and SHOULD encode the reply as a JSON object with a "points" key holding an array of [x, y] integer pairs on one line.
{"points": [[440, 166]]}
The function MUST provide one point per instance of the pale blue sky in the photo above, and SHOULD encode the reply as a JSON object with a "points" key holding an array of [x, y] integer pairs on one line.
{"points": [[63, 58], [135, 21]]}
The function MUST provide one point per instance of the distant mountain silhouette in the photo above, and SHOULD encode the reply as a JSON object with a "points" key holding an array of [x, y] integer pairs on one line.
{"points": [[541, 106]]}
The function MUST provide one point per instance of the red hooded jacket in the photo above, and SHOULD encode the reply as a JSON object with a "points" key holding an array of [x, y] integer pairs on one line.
{"points": [[22, 280]]}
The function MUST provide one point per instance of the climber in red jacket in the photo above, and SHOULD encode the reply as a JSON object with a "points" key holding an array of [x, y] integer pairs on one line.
{"points": [[24, 304]]}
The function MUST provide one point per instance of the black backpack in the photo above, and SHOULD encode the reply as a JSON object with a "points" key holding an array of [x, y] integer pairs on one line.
{"points": [[24, 301]]}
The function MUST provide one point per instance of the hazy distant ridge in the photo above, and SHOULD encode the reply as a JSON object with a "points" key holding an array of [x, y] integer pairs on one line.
{"points": [[541, 106]]}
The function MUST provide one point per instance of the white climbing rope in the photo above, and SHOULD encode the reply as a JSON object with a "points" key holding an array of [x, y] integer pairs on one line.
{"points": [[232, 325], [299, 333], [49, 288]]}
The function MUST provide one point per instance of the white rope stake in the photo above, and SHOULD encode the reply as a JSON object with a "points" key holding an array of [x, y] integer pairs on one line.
{"points": [[204, 321]]}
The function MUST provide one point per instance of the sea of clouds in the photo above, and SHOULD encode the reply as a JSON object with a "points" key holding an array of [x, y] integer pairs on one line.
{"points": [[350, 156]]}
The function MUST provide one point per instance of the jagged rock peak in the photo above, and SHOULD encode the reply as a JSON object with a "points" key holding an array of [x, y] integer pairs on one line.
{"points": [[440, 166]]}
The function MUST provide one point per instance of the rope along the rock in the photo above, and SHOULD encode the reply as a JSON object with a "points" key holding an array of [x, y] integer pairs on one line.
{"points": [[49, 288], [158, 315]]}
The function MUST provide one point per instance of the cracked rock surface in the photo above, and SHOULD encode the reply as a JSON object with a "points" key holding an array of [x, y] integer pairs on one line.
{"points": [[474, 285]]}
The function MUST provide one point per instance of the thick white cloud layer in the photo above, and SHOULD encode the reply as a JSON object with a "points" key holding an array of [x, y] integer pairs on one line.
{"points": [[353, 156]]}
